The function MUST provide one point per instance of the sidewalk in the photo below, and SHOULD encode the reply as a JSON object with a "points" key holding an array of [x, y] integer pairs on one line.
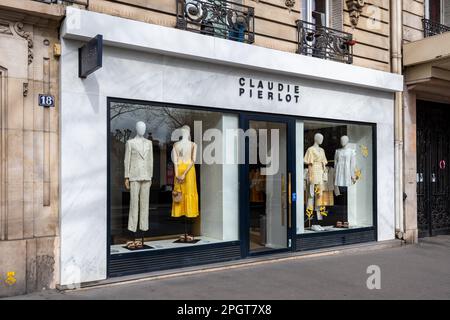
{"points": [[409, 272]]}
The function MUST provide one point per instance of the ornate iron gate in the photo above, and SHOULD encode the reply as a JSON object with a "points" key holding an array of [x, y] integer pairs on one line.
{"points": [[433, 172]]}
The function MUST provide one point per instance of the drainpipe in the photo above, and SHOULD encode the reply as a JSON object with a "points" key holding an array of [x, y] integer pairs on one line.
{"points": [[396, 67]]}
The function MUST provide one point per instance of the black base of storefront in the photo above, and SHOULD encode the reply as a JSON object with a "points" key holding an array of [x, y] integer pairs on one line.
{"points": [[148, 261], [426, 233], [157, 260], [333, 239]]}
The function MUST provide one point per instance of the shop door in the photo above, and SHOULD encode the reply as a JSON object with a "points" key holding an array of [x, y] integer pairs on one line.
{"points": [[433, 174], [267, 191]]}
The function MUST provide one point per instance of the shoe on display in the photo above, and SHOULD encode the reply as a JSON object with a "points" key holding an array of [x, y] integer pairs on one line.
{"points": [[317, 228]]}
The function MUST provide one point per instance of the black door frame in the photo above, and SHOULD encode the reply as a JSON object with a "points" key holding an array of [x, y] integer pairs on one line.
{"points": [[425, 173], [244, 195]]}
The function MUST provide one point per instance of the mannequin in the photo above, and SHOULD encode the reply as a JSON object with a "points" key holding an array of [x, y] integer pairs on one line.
{"points": [[345, 164], [138, 179], [316, 161], [184, 157]]}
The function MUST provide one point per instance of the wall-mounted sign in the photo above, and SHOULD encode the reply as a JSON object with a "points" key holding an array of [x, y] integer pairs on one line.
{"points": [[90, 56], [46, 100], [269, 90]]}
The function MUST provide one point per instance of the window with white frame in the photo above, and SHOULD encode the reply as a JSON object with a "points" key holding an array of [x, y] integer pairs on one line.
{"points": [[438, 11], [327, 13]]}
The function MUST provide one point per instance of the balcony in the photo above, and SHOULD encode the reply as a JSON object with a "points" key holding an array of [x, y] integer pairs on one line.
{"points": [[431, 28], [324, 43], [427, 64], [65, 2], [218, 18]]}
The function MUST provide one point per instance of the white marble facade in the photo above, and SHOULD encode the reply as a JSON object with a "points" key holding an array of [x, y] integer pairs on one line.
{"points": [[137, 66]]}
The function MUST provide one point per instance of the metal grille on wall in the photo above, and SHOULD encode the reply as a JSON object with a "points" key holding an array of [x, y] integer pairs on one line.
{"points": [[84, 3], [431, 28], [318, 241], [433, 174], [218, 18], [125, 264], [324, 43]]}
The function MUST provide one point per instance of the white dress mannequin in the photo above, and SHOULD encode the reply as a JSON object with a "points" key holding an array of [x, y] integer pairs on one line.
{"points": [[138, 164], [345, 164]]}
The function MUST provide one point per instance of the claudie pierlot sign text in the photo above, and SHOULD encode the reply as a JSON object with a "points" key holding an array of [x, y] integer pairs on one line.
{"points": [[268, 90]]}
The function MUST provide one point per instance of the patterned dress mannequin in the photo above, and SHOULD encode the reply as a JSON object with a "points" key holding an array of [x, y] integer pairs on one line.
{"points": [[316, 160]]}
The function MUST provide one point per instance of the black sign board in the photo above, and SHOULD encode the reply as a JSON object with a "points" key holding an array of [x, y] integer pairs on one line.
{"points": [[90, 56], [46, 100]]}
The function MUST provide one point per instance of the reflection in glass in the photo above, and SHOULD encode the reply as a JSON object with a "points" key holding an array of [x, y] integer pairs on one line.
{"points": [[268, 187]]}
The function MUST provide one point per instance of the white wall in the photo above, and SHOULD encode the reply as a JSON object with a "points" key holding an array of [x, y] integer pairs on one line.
{"points": [[211, 179], [230, 184], [127, 73], [360, 204], [219, 192]]}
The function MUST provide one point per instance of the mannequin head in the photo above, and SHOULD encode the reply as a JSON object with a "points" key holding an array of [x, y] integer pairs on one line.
{"points": [[344, 141], [140, 128], [318, 138], [185, 132]]}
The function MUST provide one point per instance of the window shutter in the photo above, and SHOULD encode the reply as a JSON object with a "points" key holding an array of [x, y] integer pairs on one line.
{"points": [[336, 14], [447, 12]]}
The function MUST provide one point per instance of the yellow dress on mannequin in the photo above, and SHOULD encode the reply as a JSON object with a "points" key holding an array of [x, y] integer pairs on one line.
{"points": [[188, 206]]}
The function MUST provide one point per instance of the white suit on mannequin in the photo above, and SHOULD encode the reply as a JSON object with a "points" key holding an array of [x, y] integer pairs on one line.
{"points": [[138, 177]]}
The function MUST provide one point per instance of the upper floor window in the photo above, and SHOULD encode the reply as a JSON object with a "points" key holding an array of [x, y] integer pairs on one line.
{"points": [[438, 11], [326, 13]]}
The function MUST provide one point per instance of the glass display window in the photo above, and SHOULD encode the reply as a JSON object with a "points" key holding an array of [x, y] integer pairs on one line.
{"points": [[335, 165], [164, 192]]}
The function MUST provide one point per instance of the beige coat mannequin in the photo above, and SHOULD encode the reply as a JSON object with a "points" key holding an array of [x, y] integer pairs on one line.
{"points": [[138, 177]]}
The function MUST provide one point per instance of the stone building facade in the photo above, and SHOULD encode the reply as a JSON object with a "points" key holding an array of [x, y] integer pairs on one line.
{"points": [[29, 148], [426, 67]]}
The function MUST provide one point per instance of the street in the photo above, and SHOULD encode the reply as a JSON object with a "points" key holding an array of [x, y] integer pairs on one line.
{"points": [[408, 272]]}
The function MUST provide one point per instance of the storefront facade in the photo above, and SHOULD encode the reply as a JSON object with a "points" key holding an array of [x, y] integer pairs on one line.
{"points": [[281, 152]]}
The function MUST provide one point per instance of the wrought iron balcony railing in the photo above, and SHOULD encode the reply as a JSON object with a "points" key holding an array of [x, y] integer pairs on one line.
{"points": [[217, 18], [431, 28], [82, 2], [325, 43]]}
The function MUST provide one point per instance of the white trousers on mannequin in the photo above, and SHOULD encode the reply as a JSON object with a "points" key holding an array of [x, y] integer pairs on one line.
{"points": [[139, 200]]}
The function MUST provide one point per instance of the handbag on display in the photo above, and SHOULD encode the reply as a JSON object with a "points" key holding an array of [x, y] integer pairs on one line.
{"points": [[177, 195]]}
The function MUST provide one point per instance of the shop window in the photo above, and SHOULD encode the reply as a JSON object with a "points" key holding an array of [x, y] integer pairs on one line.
{"points": [[169, 184], [335, 177]]}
